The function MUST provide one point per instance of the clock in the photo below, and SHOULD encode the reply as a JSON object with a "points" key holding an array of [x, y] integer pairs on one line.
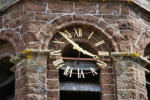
{"points": [[74, 50]]}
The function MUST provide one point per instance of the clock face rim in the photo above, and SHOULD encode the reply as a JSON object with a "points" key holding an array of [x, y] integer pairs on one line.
{"points": [[75, 39]]}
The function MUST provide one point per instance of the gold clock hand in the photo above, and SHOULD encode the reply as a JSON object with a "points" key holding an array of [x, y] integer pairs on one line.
{"points": [[78, 48], [75, 45]]}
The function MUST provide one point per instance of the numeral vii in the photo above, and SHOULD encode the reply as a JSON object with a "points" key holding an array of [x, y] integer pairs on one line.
{"points": [[68, 71]]}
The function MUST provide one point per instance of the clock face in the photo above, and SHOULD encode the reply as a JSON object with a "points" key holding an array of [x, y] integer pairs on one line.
{"points": [[74, 50]]}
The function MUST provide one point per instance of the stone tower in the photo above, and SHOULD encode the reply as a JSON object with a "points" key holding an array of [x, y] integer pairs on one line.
{"points": [[74, 49]]}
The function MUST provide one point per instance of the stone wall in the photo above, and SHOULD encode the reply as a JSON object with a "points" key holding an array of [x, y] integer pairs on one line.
{"points": [[32, 23], [131, 82]]}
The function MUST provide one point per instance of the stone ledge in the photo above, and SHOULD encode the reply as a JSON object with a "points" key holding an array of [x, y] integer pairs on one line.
{"points": [[5, 5]]}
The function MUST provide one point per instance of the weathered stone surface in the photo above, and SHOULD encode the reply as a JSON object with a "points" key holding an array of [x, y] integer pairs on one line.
{"points": [[36, 78], [126, 94], [108, 89], [36, 69], [107, 78], [34, 5], [112, 8], [125, 10], [29, 37], [35, 97], [32, 23], [19, 21], [109, 97], [34, 26], [52, 74], [17, 11], [36, 88], [53, 95], [66, 19], [63, 7], [125, 25], [53, 84], [87, 8], [44, 16]]}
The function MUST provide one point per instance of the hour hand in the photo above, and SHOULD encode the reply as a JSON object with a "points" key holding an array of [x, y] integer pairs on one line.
{"points": [[75, 45]]}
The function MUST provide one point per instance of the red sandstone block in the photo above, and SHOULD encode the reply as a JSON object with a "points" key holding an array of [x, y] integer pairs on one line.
{"points": [[125, 10], [34, 5], [66, 19], [79, 17], [107, 70], [111, 8], [32, 26], [92, 19], [102, 24], [84, 7], [108, 89], [109, 97], [52, 75], [107, 78], [63, 7], [17, 11], [53, 84], [26, 17], [29, 37], [44, 16], [51, 67], [56, 23], [53, 95]]}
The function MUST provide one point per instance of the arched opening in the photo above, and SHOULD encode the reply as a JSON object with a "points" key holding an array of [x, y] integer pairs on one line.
{"points": [[147, 75], [75, 88], [7, 78]]}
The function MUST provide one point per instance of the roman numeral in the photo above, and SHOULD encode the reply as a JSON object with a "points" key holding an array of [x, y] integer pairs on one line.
{"points": [[101, 64], [68, 71], [66, 33], [55, 53], [80, 74], [56, 41], [93, 71], [90, 35], [58, 63], [99, 43], [103, 53], [78, 32]]}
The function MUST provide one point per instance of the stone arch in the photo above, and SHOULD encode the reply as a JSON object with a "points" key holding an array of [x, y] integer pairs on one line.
{"points": [[147, 75], [63, 21], [147, 51], [13, 38], [7, 77]]}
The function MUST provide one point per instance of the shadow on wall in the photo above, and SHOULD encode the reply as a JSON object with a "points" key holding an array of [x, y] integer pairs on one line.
{"points": [[147, 55], [7, 78]]}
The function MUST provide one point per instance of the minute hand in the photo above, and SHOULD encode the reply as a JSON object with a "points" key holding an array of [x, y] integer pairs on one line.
{"points": [[77, 47]]}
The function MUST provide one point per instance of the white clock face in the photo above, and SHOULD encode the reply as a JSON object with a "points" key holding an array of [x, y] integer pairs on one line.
{"points": [[74, 50]]}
